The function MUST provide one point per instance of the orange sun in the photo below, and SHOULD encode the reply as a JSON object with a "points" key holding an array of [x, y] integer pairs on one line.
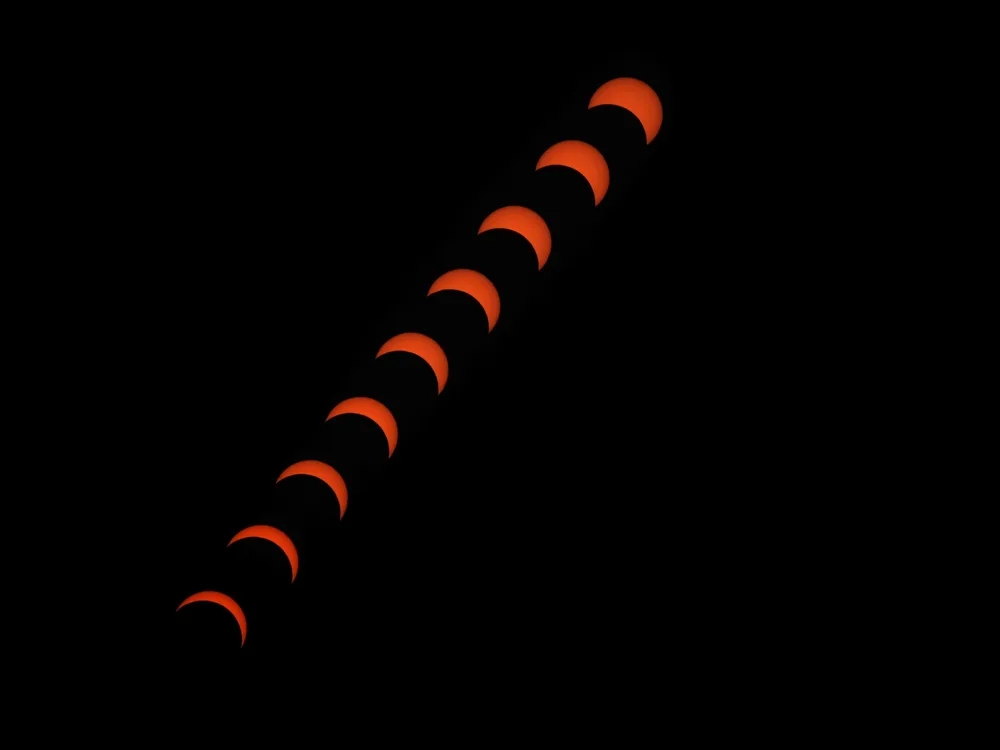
{"points": [[526, 223], [224, 601], [424, 347], [635, 96], [277, 536], [324, 472], [476, 286], [376, 411], [585, 159]]}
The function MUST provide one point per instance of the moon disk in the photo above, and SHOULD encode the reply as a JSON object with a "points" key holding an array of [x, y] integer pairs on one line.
{"points": [[376, 411], [424, 347], [585, 159], [222, 600], [476, 286], [324, 472], [635, 96], [277, 536], [526, 223]]}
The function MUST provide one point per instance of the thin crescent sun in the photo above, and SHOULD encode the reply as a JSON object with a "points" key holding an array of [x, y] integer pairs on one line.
{"points": [[277, 536], [375, 410], [222, 600], [323, 472]]}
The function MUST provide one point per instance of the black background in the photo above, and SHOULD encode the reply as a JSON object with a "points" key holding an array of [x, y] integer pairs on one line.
{"points": [[607, 483]]}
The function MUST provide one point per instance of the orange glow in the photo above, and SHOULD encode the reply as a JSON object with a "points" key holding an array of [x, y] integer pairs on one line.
{"points": [[221, 599], [324, 472], [376, 411], [635, 96], [585, 159], [424, 347], [277, 536], [526, 223], [476, 286]]}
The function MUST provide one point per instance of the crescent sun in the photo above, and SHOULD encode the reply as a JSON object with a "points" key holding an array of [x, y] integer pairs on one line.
{"points": [[224, 601], [585, 159], [424, 347], [329, 475], [477, 286], [376, 411], [277, 536], [635, 96], [526, 223]]}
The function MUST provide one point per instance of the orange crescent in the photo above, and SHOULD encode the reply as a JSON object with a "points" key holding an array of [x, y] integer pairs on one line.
{"points": [[221, 599], [585, 159], [635, 96], [424, 347], [324, 472], [376, 411], [526, 223], [476, 286], [277, 536]]}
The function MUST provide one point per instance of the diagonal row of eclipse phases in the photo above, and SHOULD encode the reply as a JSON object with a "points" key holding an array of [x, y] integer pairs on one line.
{"points": [[630, 94]]}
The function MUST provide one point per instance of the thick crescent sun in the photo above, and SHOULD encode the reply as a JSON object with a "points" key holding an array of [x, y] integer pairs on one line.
{"points": [[476, 286], [376, 411], [526, 223], [424, 347], [635, 96], [585, 159], [224, 601], [277, 536], [323, 472]]}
